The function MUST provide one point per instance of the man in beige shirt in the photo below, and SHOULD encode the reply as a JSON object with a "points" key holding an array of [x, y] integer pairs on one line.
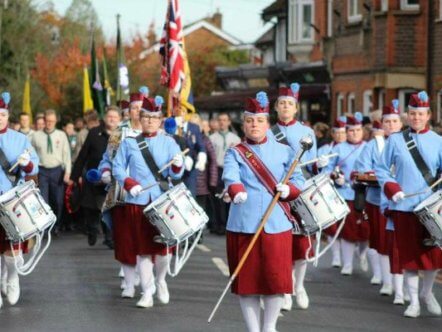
{"points": [[52, 147]]}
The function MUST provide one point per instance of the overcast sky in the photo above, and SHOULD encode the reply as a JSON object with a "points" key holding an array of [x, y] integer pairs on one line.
{"points": [[241, 18]]}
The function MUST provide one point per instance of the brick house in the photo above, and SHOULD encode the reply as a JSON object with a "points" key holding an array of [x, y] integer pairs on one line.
{"points": [[381, 50], [374, 50]]}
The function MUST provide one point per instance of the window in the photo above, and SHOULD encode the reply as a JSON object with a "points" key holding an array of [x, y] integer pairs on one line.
{"points": [[354, 15], [384, 5], [409, 4], [440, 9], [381, 99], [301, 16], [439, 106], [339, 104], [404, 97], [281, 47], [368, 102], [330, 18], [351, 103]]}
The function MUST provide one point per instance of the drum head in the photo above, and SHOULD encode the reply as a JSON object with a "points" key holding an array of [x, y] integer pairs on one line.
{"points": [[430, 201]]}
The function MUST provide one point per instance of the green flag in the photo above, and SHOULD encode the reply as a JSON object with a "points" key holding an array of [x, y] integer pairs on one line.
{"points": [[108, 91], [123, 73], [96, 86]]}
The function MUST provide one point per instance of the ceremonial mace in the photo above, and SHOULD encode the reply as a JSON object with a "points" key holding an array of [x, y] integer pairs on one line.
{"points": [[306, 144]]}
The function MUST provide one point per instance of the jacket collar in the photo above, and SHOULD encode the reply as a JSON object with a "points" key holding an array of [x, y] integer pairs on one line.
{"points": [[286, 124], [252, 142]]}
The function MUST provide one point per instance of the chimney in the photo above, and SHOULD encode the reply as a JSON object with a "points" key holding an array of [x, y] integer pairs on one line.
{"points": [[217, 19]]}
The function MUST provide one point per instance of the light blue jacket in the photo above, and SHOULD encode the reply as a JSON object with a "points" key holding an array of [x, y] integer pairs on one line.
{"points": [[294, 133], [13, 145], [130, 160], [407, 175], [347, 155], [366, 162], [245, 217]]}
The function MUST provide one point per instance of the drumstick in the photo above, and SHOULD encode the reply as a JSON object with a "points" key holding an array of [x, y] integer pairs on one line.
{"points": [[149, 186], [328, 156], [306, 144], [171, 162], [18, 162], [221, 194], [426, 190]]}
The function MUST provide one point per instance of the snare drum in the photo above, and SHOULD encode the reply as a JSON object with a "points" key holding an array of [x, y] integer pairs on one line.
{"points": [[116, 195], [176, 215], [319, 205], [24, 212], [429, 213]]}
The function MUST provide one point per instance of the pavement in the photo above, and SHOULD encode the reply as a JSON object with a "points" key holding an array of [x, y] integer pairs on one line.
{"points": [[76, 288]]}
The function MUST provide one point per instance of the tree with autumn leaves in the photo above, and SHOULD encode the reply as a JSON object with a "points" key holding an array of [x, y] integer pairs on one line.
{"points": [[54, 49]]}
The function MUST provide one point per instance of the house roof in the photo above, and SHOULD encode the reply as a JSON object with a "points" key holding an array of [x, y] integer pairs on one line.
{"points": [[188, 29], [267, 37], [277, 8]]}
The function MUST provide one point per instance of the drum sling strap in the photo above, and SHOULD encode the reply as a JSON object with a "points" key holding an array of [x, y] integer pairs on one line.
{"points": [[147, 156], [281, 138], [13, 177], [265, 176], [418, 159]]}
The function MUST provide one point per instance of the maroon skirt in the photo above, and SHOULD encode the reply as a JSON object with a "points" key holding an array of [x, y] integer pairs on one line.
{"points": [[5, 243], [378, 233], [300, 246], [355, 228], [393, 252], [133, 234], [410, 233], [268, 268], [331, 231]]}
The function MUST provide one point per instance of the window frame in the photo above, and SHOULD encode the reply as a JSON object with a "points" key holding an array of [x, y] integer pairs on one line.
{"points": [[351, 97], [367, 109], [296, 21], [353, 17], [330, 18], [406, 6], [439, 106], [384, 6], [440, 9], [340, 102]]}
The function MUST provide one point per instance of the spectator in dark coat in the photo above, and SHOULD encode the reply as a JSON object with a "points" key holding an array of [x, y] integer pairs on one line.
{"points": [[89, 157]]}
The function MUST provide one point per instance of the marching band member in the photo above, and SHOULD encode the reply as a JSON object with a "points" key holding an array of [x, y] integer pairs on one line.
{"points": [[392, 123], [378, 251], [251, 173], [416, 154], [134, 234], [194, 141], [130, 127], [292, 130], [355, 231], [14, 146], [339, 135]]}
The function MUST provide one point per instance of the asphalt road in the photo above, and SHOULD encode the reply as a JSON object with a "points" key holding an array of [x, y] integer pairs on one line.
{"points": [[76, 288]]}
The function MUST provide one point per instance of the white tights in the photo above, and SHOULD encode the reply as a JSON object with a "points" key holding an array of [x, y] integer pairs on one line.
{"points": [[250, 307]]}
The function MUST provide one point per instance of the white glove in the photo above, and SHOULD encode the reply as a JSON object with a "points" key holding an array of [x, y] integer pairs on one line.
{"points": [[106, 177], [188, 163], [136, 190], [284, 189], [322, 162], [178, 160], [201, 161], [340, 180], [24, 159], [226, 198], [240, 198], [399, 196], [179, 121]]}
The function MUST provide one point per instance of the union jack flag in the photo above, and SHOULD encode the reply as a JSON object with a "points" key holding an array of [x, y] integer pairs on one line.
{"points": [[172, 51]]}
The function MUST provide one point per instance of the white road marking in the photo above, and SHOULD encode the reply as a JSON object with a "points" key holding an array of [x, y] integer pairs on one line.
{"points": [[221, 266], [204, 248]]}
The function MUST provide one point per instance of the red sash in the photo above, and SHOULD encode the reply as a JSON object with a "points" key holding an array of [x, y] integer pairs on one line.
{"points": [[264, 175]]}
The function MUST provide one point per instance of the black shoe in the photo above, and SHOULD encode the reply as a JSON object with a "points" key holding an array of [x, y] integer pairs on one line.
{"points": [[109, 244], [56, 231], [92, 239]]}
